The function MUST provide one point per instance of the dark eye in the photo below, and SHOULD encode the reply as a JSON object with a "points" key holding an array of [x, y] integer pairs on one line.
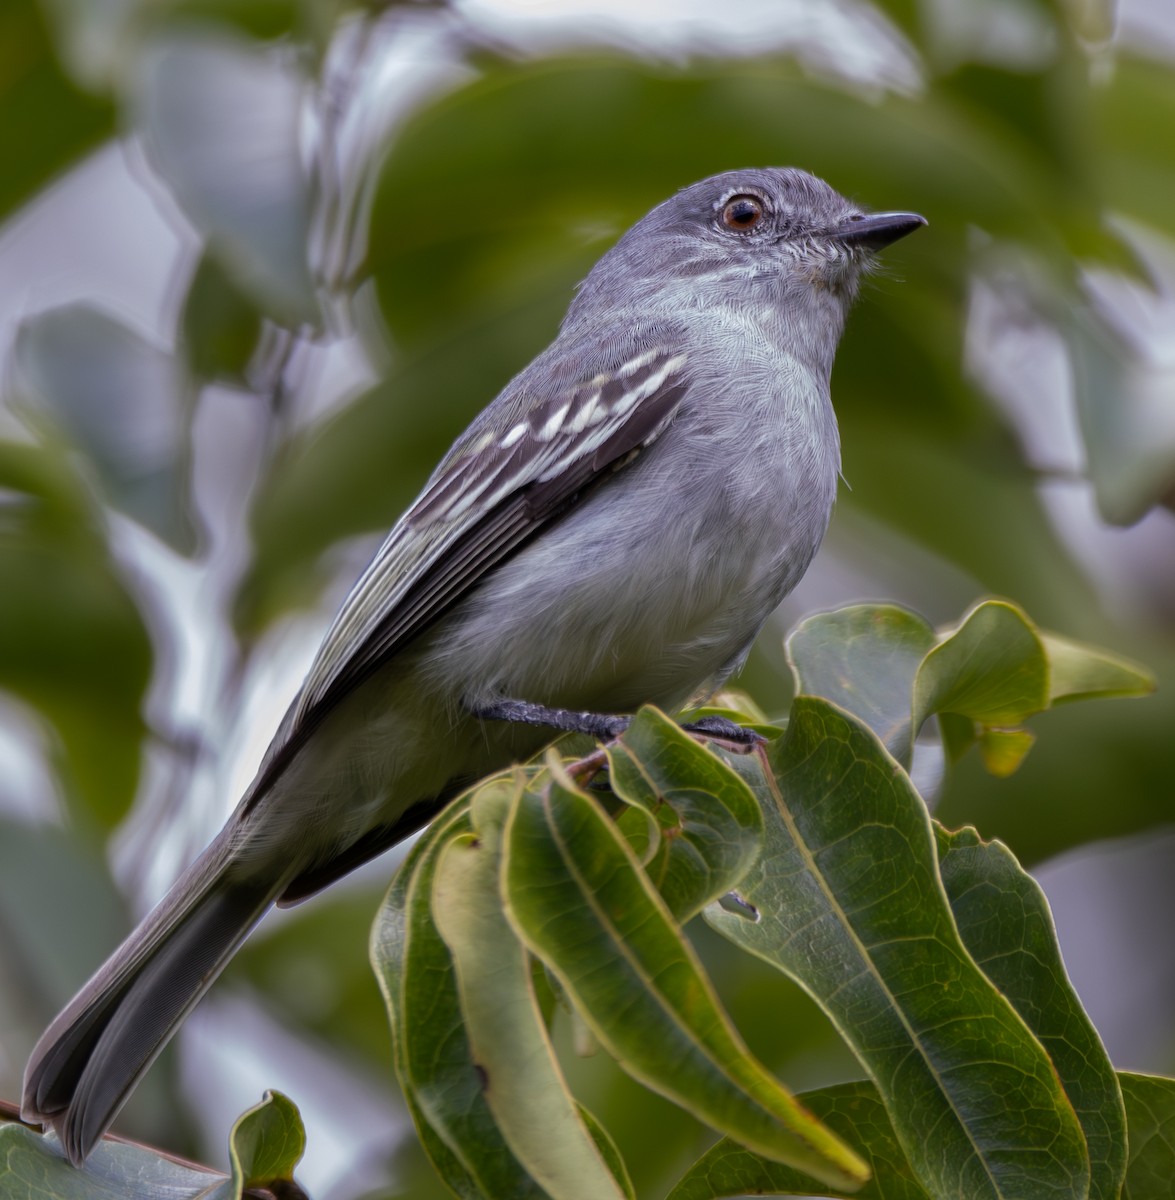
{"points": [[742, 213]]}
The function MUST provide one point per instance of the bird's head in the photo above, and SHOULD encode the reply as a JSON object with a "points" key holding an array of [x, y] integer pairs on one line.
{"points": [[775, 234]]}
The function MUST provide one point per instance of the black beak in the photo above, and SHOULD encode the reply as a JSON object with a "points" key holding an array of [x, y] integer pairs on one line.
{"points": [[878, 230]]}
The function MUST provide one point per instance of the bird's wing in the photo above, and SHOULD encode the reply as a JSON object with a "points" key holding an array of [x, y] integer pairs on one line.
{"points": [[524, 462]]}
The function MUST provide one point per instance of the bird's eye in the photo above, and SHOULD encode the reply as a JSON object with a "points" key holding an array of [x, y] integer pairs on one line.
{"points": [[742, 213]]}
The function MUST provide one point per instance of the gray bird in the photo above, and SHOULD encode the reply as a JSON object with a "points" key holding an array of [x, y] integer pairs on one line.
{"points": [[613, 530]]}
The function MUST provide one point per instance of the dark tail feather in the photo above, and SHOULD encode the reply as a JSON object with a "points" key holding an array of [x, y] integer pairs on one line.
{"points": [[90, 1058]]}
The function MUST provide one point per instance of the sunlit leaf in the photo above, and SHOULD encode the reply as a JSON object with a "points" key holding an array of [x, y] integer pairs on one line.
{"points": [[1003, 750]]}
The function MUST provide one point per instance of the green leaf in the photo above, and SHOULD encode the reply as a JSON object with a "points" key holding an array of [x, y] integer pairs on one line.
{"points": [[1080, 672], [45, 960], [1150, 1117], [1003, 750], [1094, 21], [851, 906], [958, 735], [608, 1152], [996, 669], [1005, 923], [519, 1074], [122, 403], [1133, 114], [221, 325], [707, 822], [864, 658], [579, 899], [266, 1143], [853, 1110], [992, 669], [47, 123], [72, 642], [96, 40], [433, 1057], [887, 667], [33, 1168]]}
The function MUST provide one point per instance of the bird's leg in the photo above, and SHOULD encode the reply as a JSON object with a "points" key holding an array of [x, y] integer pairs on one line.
{"points": [[604, 726]]}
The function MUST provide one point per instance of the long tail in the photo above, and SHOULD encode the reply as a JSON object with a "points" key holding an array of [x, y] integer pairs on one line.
{"points": [[89, 1060]]}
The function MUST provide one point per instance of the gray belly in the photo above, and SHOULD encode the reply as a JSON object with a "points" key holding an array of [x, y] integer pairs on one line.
{"points": [[649, 593]]}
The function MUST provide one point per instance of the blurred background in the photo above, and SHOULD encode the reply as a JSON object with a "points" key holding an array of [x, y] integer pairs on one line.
{"points": [[261, 260]]}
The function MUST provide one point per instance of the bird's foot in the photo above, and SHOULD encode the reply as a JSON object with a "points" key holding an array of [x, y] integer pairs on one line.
{"points": [[724, 730]]}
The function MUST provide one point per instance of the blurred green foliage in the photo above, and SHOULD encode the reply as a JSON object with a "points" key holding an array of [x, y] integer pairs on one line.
{"points": [[442, 255]]}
